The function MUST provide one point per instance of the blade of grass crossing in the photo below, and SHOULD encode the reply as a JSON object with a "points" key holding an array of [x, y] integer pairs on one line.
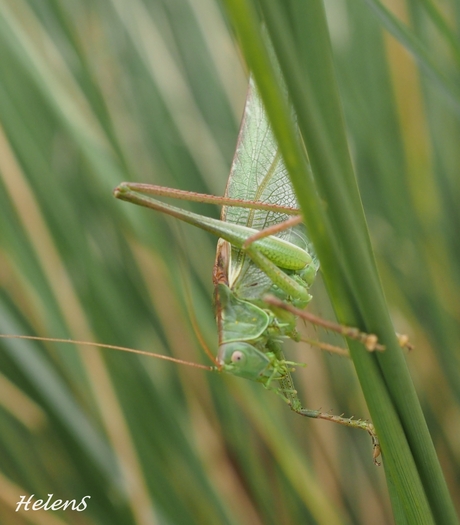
{"points": [[400, 386]]}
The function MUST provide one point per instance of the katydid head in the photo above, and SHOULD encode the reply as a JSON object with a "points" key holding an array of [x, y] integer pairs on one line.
{"points": [[244, 360]]}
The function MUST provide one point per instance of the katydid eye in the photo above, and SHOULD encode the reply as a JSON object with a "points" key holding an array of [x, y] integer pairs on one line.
{"points": [[237, 356]]}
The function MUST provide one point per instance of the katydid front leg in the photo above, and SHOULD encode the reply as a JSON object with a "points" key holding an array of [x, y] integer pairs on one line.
{"points": [[289, 392]]}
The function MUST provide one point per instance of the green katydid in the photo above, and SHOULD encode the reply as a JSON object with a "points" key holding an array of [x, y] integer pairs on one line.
{"points": [[264, 262]]}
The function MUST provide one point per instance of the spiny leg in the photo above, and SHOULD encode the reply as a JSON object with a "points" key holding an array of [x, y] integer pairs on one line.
{"points": [[349, 422], [326, 347], [370, 341], [289, 392], [403, 341]]}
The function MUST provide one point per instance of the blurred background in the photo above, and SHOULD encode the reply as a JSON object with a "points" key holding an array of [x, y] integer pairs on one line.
{"points": [[93, 93]]}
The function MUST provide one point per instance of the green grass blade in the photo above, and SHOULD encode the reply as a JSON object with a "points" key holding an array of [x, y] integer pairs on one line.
{"points": [[328, 153]]}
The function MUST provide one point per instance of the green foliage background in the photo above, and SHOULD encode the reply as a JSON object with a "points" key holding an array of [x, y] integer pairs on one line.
{"points": [[96, 92]]}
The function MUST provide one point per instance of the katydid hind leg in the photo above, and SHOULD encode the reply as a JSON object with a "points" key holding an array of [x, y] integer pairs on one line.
{"points": [[291, 287], [192, 196], [272, 230]]}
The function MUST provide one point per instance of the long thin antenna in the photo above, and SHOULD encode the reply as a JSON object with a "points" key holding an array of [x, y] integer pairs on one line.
{"points": [[189, 302], [111, 347]]}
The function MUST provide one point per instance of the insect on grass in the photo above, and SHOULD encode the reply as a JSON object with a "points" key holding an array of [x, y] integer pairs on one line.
{"points": [[263, 271], [265, 263]]}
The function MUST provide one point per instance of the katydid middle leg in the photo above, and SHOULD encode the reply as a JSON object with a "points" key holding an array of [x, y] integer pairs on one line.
{"points": [[370, 341]]}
